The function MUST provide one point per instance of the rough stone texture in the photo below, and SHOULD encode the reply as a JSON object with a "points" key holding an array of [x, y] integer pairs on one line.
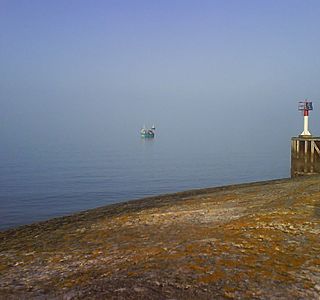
{"points": [[252, 241]]}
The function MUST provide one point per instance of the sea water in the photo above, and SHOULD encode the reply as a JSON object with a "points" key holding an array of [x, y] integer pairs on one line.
{"points": [[39, 181]]}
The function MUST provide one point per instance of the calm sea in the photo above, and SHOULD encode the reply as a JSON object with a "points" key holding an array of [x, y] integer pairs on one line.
{"points": [[41, 181]]}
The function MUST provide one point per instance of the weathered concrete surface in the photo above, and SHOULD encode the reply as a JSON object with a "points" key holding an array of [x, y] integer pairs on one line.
{"points": [[249, 241]]}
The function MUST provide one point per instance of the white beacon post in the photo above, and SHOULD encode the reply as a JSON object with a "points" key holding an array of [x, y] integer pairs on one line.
{"points": [[305, 106]]}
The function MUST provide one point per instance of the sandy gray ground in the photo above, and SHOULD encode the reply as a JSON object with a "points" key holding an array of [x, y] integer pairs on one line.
{"points": [[253, 241]]}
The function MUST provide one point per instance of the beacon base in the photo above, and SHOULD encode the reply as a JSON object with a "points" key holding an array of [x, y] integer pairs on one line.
{"points": [[305, 156]]}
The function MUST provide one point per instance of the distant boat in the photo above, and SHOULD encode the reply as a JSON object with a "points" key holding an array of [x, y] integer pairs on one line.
{"points": [[147, 133]]}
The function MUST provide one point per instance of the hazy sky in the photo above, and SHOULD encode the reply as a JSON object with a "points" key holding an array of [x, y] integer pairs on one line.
{"points": [[73, 70]]}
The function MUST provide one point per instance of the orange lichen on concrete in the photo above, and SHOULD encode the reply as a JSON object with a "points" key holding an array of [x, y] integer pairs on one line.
{"points": [[256, 240]]}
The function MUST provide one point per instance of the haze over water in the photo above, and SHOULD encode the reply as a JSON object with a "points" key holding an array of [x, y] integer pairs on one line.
{"points": [[219, 79]]}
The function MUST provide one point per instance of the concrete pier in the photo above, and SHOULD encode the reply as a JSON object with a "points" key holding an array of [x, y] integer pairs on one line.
{"points": [[250, 241], [305, 155]]}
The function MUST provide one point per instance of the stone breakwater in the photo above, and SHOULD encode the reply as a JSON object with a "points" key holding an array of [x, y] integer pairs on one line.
{"points": [[254, 241]]}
